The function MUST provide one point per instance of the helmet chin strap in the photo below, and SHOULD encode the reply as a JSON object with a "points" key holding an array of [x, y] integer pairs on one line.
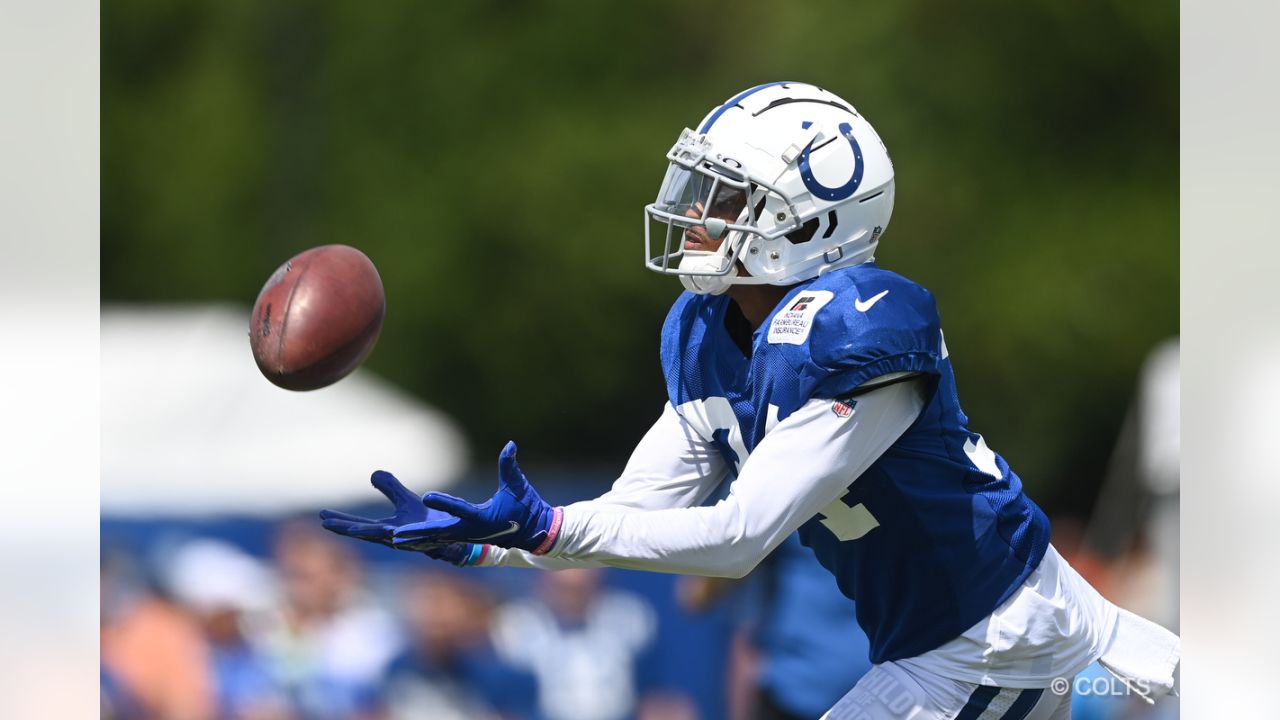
{"points": [[708, 265]]}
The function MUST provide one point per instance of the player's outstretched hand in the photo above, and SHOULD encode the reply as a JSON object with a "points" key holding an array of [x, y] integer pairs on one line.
{"points": [[408, 509], [515, 517]]}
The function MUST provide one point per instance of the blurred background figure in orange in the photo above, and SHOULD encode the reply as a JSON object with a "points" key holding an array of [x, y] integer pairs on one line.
{"points": [[155, 661], [449, 670], [328, 642]]}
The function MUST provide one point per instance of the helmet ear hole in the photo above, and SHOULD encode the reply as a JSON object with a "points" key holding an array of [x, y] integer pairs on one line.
{"points": [[804, 234]]}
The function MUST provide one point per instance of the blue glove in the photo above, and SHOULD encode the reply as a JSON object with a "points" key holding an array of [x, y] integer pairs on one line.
{"points": [[515, 517], [459, 554], [408, 509]]}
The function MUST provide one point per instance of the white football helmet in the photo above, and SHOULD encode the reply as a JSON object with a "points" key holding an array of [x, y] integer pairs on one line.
{"points": [[792, 178]]}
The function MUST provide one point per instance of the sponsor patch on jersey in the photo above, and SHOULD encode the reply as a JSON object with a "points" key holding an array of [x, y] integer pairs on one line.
{"points": [[791, 325], [843, 408]]}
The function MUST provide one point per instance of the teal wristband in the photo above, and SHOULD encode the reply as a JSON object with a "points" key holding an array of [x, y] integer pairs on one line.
{"points": [[475, 555]]}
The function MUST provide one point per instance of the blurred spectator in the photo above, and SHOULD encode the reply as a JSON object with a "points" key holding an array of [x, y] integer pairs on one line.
{"points": [[155, 663], [225, 589], [328, 643], [1129, 548], [449, 670], [586, 645], [1135, 517], [801, 648]]}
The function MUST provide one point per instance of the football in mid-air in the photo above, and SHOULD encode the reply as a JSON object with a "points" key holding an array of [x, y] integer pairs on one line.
{"points": [[317, 318]]}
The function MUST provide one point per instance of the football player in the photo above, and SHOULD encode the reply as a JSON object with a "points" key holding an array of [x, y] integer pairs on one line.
{"points": [[819, 386]]}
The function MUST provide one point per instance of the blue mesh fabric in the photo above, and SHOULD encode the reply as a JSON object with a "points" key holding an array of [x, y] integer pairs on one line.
{"points": [[953, 541]]}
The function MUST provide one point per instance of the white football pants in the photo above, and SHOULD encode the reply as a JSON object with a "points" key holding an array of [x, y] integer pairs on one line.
{"points": [[890, 692]]}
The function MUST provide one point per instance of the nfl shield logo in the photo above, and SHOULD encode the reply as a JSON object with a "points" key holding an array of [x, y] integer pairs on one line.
{"points": [[843, 408]]}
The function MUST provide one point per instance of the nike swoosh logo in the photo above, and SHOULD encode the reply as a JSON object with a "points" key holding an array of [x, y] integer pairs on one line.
{"points": [[865, 305], [515, 527]]}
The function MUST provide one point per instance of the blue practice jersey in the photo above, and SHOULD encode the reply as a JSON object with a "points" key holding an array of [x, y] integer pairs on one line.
{"points": [[937, 532]]}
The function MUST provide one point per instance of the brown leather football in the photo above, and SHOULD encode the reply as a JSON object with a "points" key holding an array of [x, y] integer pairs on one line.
{"points": [[317, 318]]}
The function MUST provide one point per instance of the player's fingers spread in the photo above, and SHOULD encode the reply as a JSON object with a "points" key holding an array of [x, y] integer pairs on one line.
{"points": [[339, 515], [509, 475], [437, 515], [337, 526], [375, 531], [401, 541], [507, 456], [343, 525], [351, 529], [436, 530], [457, 507], [389, 485]]}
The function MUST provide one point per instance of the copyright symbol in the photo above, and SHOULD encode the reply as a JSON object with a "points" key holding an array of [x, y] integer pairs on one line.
{"points": [[1060, 686]]}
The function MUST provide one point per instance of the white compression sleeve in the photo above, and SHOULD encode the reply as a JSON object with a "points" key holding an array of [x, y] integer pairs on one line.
{"points": [[806, 462], [671, 468]]}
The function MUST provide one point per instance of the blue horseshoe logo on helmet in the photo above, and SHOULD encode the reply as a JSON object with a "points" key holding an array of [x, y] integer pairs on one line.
{"points": [[823, 191]]}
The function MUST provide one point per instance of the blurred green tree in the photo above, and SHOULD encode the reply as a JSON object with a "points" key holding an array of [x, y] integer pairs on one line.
{"points": [[492, 158]]}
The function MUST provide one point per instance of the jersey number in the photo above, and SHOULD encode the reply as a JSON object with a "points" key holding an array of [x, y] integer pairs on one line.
{"points": [[848, 523], [851, 523], [715, 420]]}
